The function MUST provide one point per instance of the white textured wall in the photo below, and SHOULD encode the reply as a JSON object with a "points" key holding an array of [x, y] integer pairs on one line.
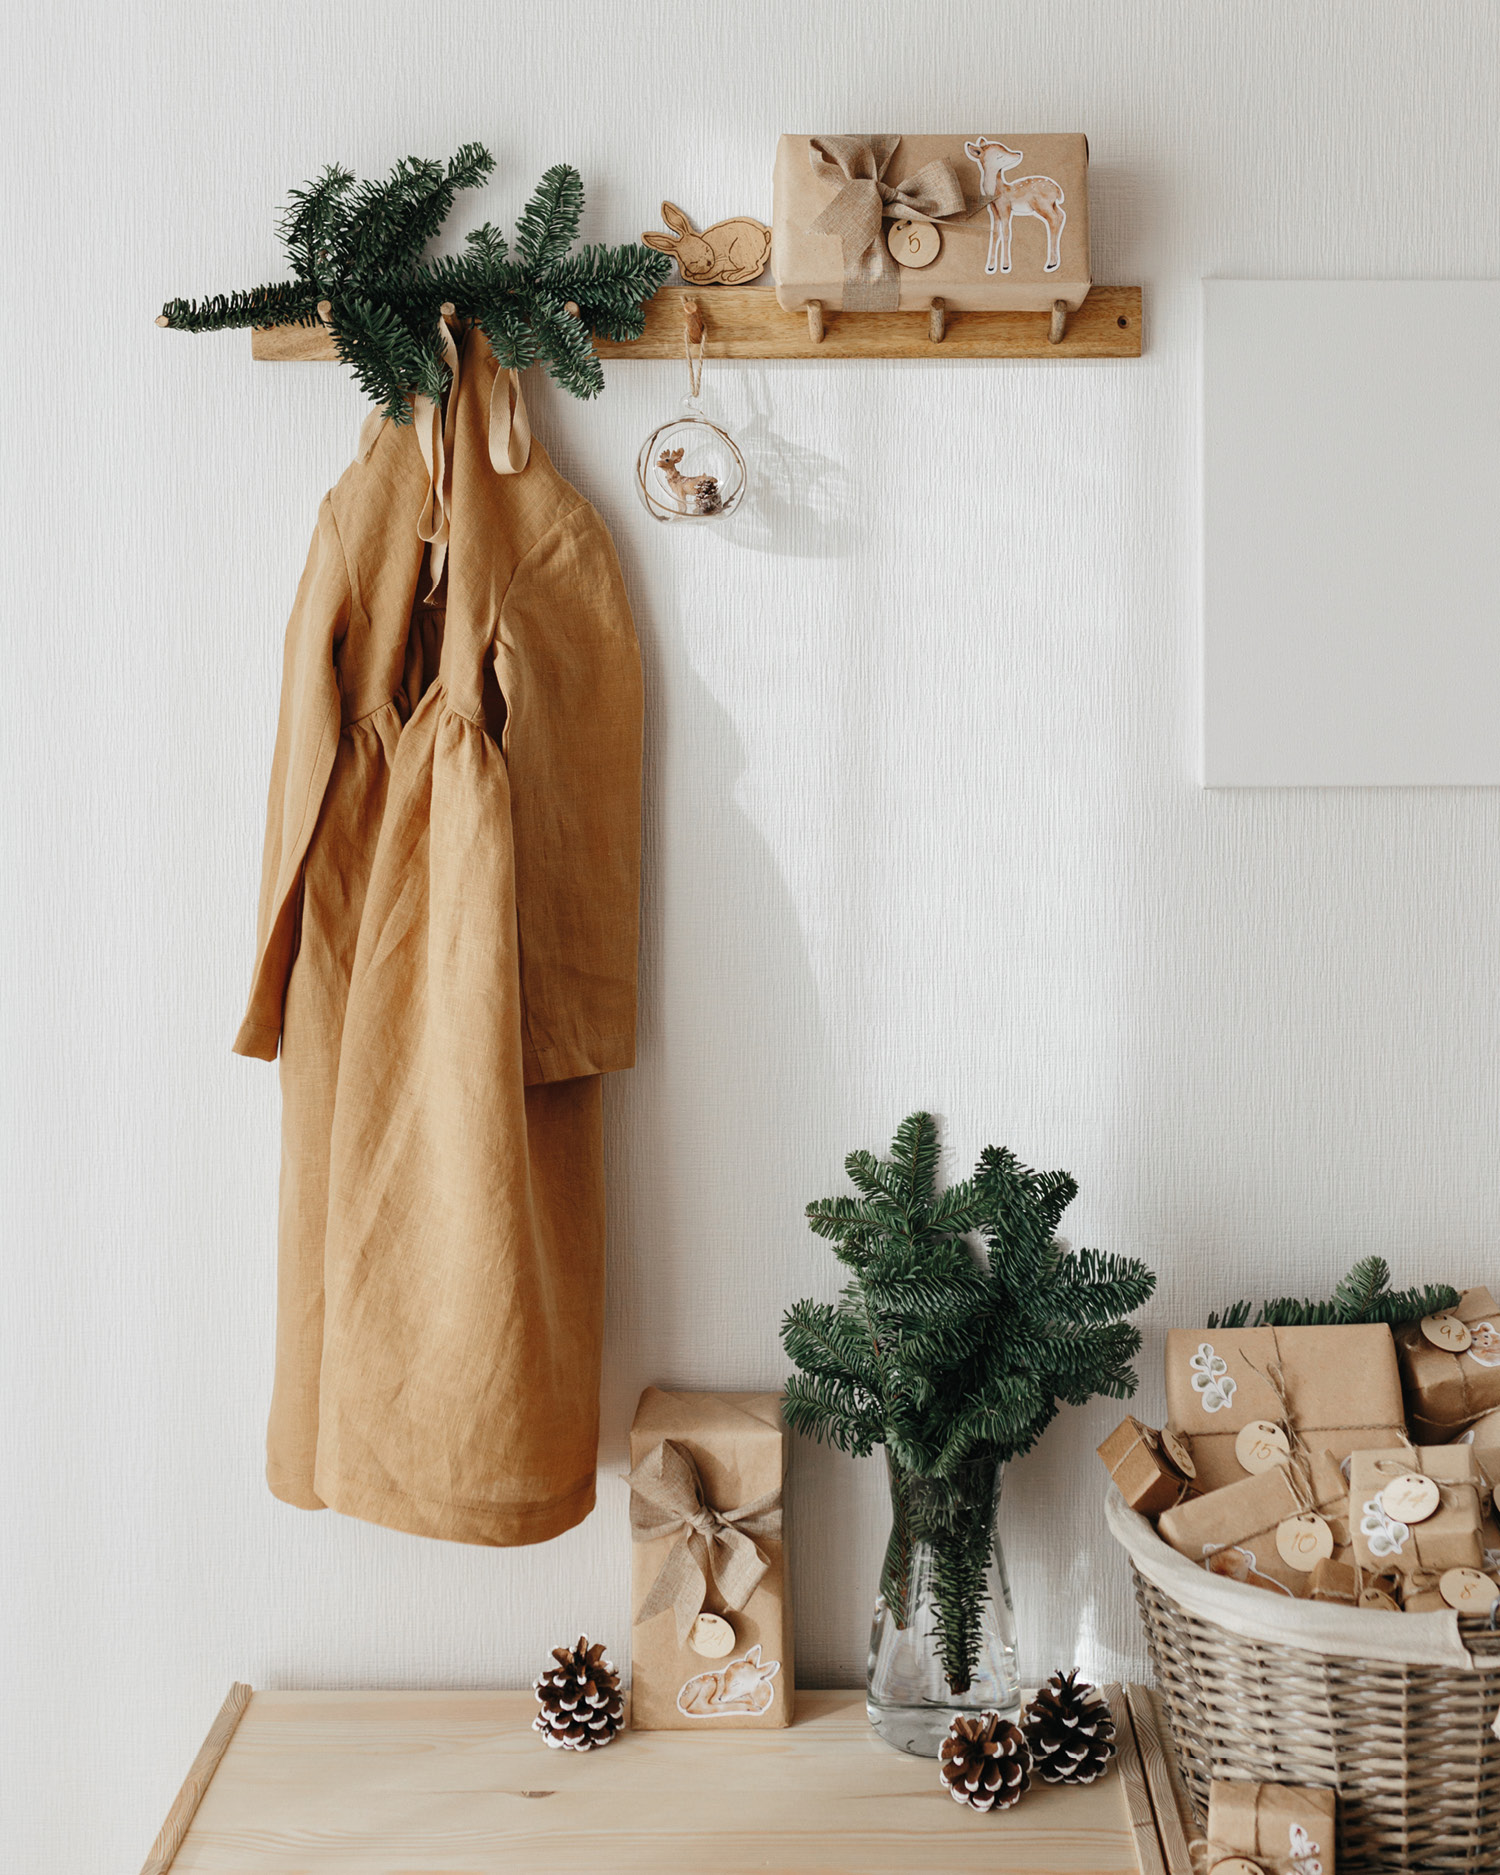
{"points": [[922, 826]]}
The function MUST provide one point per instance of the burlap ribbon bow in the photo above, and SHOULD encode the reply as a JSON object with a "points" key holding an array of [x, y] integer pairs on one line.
{"points": [[872, 280], [666, 1495]]}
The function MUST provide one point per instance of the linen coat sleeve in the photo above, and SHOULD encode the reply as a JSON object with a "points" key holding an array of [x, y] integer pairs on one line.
{"points": [[569, 670], [307, 736]]}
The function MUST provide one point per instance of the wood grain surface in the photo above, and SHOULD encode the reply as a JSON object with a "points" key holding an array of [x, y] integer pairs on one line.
{"points": [[458, 1784], [1169, 1805], [200, 1776], [746, 322]]}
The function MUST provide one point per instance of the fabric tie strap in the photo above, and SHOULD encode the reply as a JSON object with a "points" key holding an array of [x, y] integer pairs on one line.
{"points": [[872, 280], [666, 1496], [509, 445]]}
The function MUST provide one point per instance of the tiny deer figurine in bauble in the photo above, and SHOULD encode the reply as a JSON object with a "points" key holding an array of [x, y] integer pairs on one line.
{"points": [[1023, 195], [727, 254], [694, 494]]}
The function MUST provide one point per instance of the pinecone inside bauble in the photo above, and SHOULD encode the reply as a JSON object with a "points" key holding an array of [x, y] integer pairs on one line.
{"points": [[1069, 1730], [580, 1701], [984, 1762]]}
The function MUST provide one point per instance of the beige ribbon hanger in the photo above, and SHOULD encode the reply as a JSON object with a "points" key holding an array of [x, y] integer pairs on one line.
{"points": [[855, 216], [666, 1496], [509, 444]]}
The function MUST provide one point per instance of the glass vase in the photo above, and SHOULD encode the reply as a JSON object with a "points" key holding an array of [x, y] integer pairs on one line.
{"points": [[943, 1640]]}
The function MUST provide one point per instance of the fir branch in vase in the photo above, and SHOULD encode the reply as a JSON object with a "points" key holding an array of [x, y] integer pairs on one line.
{"points": [[953, 1357]]}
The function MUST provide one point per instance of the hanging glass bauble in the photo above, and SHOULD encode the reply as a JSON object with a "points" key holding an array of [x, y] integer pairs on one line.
{"points": [[690, 469]]}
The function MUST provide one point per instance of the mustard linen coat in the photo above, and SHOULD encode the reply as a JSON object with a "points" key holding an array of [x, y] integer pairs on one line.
{"points": [[446, 957]]}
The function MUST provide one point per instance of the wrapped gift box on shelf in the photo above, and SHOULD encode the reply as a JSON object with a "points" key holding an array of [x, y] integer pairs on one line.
{"points": [[1273, 1826], [884, 223], [711, 1642], [1338, 1386], [1146, 1469]]}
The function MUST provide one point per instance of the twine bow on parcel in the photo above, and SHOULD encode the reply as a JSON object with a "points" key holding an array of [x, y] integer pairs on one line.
{"points": [[666, 1495], [872, 280]]}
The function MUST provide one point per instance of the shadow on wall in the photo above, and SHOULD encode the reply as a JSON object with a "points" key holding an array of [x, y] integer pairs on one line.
{"points": [[799, 503]]}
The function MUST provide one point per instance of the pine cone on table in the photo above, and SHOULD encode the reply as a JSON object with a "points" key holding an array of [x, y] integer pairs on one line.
{"points": [[1070, 1731], [581, 1707], [984, 1762]]}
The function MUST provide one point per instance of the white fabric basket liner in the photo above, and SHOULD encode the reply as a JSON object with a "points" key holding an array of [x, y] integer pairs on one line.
{"points": [[1328, 1628]]}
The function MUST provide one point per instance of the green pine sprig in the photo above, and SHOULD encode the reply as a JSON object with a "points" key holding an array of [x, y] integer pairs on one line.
{"points": [[359, 247], [1363, 1295], [952, 1359]]}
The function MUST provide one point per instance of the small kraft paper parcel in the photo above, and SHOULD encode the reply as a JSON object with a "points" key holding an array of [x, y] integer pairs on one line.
{"points": [[1271, 1530], [1278, 1829], [1416, 1514], [711, 1641], [1451, 1366], [983, 221], [1230, 1389]]}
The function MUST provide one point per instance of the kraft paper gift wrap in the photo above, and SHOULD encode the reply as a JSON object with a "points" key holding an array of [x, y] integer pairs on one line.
{"points": [[1284, 1828], [707, 1473], [1447, 1393], [1341, 1386], [835, 204], [1232, 1531], [1147, 1480], [1417, 1552]]}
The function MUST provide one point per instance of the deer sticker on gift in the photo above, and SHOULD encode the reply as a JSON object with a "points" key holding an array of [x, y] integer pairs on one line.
{"points": [[742, 1688], [1007, 197]]}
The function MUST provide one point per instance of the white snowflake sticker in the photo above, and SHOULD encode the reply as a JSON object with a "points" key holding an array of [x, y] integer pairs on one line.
{"points": [[1211, 1378], [1387, 1536], [1305, 1852]]}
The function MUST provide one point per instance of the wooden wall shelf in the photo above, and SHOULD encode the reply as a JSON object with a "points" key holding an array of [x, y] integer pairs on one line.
{"points": [[746, 322]]}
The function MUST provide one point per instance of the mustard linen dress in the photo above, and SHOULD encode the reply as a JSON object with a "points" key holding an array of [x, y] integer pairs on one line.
{"points": [[446, 958]]}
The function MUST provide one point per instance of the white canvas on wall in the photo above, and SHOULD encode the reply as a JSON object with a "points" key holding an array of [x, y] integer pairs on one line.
{"points": [[1351, 533]]}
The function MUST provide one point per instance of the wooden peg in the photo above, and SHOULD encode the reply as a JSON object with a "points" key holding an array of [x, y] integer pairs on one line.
{"points": [[692, 320], [162, 319], [325, 311], [1059, 322], [815, 321], [937, 321], [572, 309]]}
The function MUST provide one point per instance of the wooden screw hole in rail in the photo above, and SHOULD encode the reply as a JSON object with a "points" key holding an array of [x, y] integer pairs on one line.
{"points": [[747, 322]]}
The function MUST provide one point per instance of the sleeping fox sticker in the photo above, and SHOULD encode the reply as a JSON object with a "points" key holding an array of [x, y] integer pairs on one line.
{"points": [[740, 1688]]}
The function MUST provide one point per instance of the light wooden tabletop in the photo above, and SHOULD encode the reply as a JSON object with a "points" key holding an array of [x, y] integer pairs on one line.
{"points": [[456, 1783]]}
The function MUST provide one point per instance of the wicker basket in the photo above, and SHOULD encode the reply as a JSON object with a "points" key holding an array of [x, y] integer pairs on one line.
{"points": [[1398, 1717]]}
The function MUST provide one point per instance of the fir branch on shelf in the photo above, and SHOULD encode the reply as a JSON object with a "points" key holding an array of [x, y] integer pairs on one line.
{"points": [[954, 1360], [357, 247], [1363, 1295]]}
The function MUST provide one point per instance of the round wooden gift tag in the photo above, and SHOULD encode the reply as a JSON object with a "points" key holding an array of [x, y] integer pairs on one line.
{"points": [[1303, 1542], [1468, 1591], [1262, 1446], [711, 1636], [914, 243], [1411, 1498], [1178, 1456], [1237, 1865], [1446, 1331], [1377, 1598]]}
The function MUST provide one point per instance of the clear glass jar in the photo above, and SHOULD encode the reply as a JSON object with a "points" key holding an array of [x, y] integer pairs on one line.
{"points": [[943, 1640]]}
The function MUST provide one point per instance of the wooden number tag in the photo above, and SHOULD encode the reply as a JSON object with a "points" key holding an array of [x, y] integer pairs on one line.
{"points": [[1262, 1446], [1468, 1591], [1411, 1498], [1237, 1865], [1303, 1542], [1446, 1331], [711, 1636], [1178, 1456], [1377, 1598], [914, 243]]}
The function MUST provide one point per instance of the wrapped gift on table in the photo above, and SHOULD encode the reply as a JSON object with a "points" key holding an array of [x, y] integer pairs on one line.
{"points": [[1270, 1530], [1150, 1473], [1339, 1387], [887, 223], [1416, 1513], [1450, 1364], [1278, 1829], [711, 1643]]}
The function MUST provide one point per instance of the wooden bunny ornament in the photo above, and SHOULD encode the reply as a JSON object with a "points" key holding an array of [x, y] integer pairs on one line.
{"points": [[727, 254]]}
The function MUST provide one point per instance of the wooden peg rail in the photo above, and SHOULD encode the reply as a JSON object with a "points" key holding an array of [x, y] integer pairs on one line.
{"points": [[747, 322]]}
